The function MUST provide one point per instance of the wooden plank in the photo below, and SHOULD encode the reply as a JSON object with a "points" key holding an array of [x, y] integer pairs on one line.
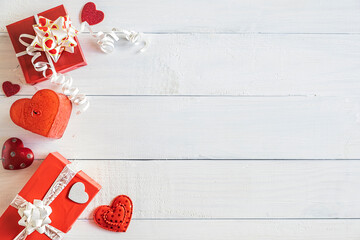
{"points": [[203, 128], [218, 189], [204, 64], [203, 16], [227, 230]]}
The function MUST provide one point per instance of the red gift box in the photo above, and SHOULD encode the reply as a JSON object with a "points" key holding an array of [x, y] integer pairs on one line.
{"points": [[67, 62], [64, 211]]}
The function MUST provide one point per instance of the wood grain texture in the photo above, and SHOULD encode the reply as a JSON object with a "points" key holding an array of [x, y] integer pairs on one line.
{"points": [[205, 64], [203, 128], [324, 16], [226, 230], [242, 80], [217, 189]]}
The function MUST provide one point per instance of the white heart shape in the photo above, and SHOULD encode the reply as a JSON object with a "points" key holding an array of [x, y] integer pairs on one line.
{"points": [[77, 193]]}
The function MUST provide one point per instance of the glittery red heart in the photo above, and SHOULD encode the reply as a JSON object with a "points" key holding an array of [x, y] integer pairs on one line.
{"points": [[116, 217], [15, 156], [10, 89], [91, 15]]}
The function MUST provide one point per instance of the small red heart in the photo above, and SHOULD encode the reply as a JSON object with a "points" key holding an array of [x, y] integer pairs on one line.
{"points": [[91, 15], [116, 217], [15, 156], [52, 51], [49, 43], [47, 113], [42, 21], [44, 29], [10, 89]]}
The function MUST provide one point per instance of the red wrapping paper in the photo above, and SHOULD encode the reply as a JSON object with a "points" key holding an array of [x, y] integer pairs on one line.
{"points": [[64, 211], [67, 62]]}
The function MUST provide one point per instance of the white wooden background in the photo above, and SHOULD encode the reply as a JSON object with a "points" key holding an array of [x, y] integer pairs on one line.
{"points": [[241, 121]]}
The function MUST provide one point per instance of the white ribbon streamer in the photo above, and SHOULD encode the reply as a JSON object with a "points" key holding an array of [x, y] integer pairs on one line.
{"points": [[106, 41], [65, 81], [39, 66], [36, 216]]}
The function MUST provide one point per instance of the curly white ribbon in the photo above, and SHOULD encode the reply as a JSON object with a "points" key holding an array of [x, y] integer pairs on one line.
{"points": [[65, 81], [36, 217], [106, 41], [39, 66]]}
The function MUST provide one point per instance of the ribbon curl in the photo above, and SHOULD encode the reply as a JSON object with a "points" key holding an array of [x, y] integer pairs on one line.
{"points": [[106, 40], [65, 81]]}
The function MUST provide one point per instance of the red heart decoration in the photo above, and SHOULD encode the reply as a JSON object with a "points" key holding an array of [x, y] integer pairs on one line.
{"points": [[49, 43], [47, 113], [42, 21], [91, 15], [15, 156], [10, 89], [52, 51], [116, 217]]}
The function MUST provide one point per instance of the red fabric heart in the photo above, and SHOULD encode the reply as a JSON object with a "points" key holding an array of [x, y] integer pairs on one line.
{"points": [[10, 89], [116, 217], [15, 156], [47, 113], [91, 15]]}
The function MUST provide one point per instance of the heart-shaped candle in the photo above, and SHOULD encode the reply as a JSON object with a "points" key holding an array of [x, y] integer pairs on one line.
{"points": [[47, 113], [15, 155], [90, 15], [116, 217]]}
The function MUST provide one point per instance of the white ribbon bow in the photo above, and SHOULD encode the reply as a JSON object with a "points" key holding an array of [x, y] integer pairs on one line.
{"points": [[36, 216], [54, 37]]}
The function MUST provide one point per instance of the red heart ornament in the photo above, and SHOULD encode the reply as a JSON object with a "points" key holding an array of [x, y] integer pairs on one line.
{"points": [[91, 15], [10, 89], [47, 113], [116, 217], [15, 156]]}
